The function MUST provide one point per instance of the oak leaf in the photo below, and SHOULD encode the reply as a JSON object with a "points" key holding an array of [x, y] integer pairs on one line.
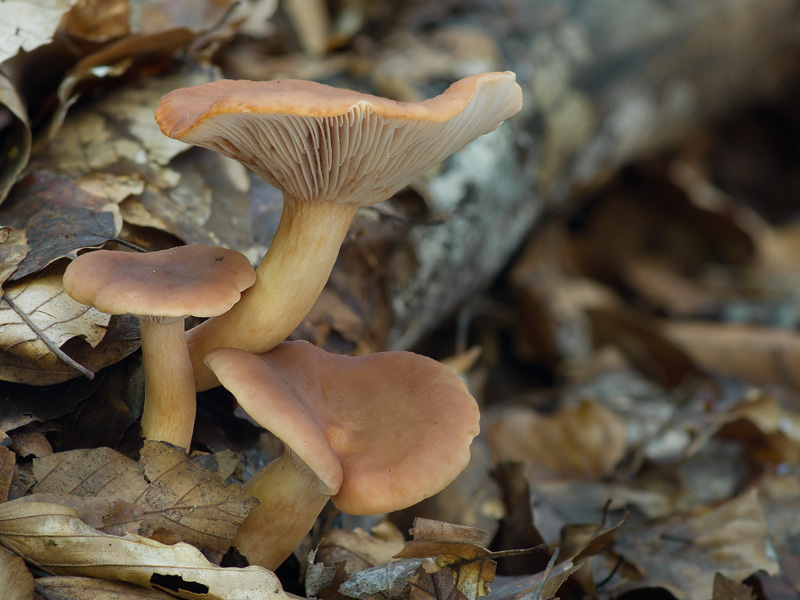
{"points": [[170, 491]]}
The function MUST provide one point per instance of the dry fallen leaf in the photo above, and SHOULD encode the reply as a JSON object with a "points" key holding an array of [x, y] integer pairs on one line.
{"points": [[727, 589], [586, 440], [98, 21], [680, 554], [759, 355], [15, 579], [89, 588], [15, 144], [7, 461], [458, 548], [42, 298], [170, 491], [58, 218], [359, 548], [26, 25], [54, 539]]}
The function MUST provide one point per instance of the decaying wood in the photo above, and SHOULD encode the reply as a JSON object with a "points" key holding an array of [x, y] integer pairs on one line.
{"points": [[603, 82]]}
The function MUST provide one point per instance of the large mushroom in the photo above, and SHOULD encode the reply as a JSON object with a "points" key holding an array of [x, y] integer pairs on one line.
{"points": [[162, 289], [374, 433], [330, 151]]}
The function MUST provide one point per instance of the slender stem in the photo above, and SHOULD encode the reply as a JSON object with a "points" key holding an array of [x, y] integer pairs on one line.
{"points": [[290, 501], [289, 280], [169, 402]]}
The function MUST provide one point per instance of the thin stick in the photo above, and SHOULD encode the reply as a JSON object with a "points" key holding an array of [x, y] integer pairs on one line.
{"points": [[537, 594], [47, 341], [128, 244]]}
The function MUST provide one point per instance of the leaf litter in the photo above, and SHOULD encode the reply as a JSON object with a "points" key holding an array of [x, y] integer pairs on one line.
{"points": [[660, 451]]}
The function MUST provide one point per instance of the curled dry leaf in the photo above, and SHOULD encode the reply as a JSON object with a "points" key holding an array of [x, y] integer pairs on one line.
{"points": [[15, 579], [586, 440], [458, 548], [53, 538], [170, 491], [27, 25], [98, 21], [679, 555], [89, 588], [15, 144]]}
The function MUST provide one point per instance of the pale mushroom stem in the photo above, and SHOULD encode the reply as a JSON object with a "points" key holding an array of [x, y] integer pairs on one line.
{"points": [[291, 499], [288, 281], [169, 402]]}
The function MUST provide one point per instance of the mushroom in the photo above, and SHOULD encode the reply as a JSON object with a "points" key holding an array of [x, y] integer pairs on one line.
{"points": [[161, 289], [374, 433], [330, 151]]}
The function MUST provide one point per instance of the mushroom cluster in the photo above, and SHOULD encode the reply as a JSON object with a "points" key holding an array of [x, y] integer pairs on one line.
{"points": [[330, 151], [374, 433]]}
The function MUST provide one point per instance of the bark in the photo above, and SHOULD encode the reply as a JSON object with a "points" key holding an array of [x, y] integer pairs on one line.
{"points": [[604, 82]]}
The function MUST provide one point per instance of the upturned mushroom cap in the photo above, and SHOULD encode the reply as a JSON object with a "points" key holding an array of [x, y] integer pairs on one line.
{"points": [[197, 280], [318, 142], [382, 431]]}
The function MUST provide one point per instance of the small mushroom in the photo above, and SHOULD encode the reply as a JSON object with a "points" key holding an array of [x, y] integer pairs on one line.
{"points": [[161, 289], [374, 433], [330, 151]]}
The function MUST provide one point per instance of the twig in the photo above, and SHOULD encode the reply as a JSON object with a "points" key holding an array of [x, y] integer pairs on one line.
{"points": [[131, 245], [537, 593], [47, 341]]}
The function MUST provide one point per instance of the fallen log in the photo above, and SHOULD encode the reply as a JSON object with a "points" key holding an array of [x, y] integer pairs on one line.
{"points": [[604, 82]]}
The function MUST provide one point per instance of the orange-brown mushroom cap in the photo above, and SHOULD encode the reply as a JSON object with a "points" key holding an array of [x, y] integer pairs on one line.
{"points": [[318, 142], [197, 280], [382, 431]]}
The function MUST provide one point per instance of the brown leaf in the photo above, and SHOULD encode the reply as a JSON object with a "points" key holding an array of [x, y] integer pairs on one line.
{"points": [[91, 472], [120, 340], [190, 500], [98, 20], [523, 588], [14, 247], [15, 579], [7, 461], [727, 589], [43, 299], [59, 218], [680, 555], [759, 355], [173, 492], [31, 443], [104, 514], [53, 538], [359, 548], [23, 405], [584, 441], [458, 548], [89, 588], [15, 145], [26, 26]]}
